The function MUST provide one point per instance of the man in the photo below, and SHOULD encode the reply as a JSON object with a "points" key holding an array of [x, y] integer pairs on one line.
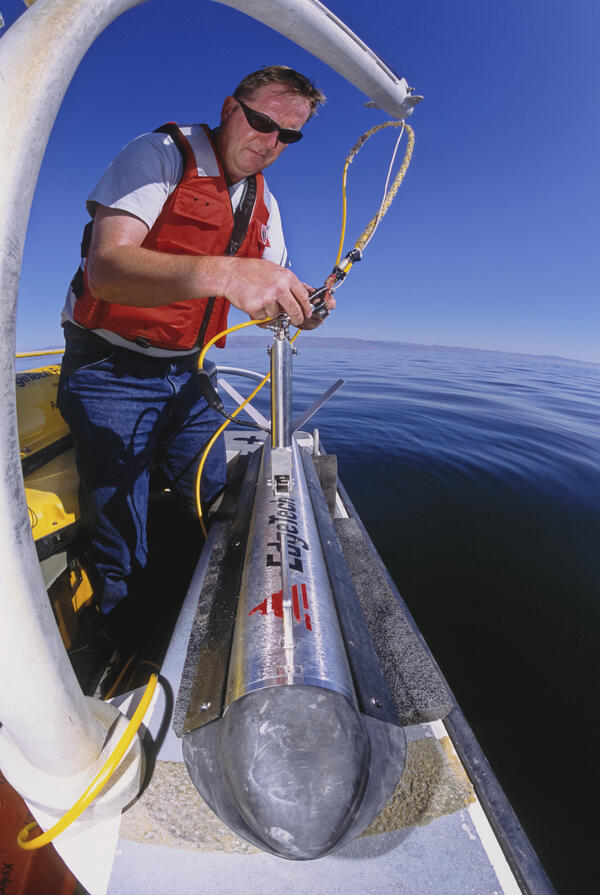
{"points": [[164, 260]]}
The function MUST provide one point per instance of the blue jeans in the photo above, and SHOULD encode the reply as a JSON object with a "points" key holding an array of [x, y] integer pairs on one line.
{"points": [[128, 412]]}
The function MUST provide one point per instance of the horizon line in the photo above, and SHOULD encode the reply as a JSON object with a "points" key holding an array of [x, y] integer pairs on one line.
{"points": [[390, 342]]}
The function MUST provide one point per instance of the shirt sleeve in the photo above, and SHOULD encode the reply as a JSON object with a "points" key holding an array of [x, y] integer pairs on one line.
{"points": [[140, 179], [276, 250]]}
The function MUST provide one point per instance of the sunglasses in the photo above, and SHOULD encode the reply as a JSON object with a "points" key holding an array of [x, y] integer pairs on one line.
{"points": [[265, 125]]}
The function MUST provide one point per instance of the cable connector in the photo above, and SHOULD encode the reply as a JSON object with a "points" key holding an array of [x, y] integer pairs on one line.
{"points": [[341, 270], [354, 255], [338, 274], [209, 392]]}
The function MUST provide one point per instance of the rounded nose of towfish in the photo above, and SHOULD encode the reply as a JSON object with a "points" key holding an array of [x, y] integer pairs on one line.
{"points": [[295, 760]]}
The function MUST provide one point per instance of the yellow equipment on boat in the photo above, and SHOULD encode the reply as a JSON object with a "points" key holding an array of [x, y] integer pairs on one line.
{"points": [[51, 481], [52, 494], [40, 421]]}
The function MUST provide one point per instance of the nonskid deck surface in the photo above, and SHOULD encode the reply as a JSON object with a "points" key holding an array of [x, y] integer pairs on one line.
{"points": [[430, 838]]}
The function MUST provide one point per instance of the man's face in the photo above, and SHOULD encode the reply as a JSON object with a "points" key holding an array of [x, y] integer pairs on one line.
{"points": [[243, 150]]}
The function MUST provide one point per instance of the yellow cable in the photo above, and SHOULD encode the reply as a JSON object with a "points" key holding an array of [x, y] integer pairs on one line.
{"points": [[212, 441], [99, 781], [222, 428], [20, 354], [234, 413], [226, 332], [344, 212]]}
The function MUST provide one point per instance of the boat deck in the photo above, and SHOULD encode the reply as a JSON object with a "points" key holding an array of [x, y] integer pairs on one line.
{"points": [[432, 837]]}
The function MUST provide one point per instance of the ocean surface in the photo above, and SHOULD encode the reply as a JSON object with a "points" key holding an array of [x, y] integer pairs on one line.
{"points": [[477, 475]]}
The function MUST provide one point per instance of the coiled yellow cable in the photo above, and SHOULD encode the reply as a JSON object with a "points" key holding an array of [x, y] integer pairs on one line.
{"points": [[99, 781]]}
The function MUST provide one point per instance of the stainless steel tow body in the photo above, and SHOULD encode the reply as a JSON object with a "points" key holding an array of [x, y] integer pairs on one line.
{"points": [[293, 764]]}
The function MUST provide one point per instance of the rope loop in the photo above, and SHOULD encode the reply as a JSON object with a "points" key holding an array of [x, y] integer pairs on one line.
{"points": [[389, 194]]}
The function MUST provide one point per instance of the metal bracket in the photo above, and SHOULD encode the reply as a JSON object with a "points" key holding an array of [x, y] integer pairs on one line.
{"points": [[281, 470], [316, 405]]}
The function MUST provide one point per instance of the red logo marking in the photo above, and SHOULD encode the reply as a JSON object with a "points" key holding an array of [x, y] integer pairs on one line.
{"points": [[276, 605]]}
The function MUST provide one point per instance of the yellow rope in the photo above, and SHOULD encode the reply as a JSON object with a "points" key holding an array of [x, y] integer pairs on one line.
{"points": [[391, 193], [99, 781]]}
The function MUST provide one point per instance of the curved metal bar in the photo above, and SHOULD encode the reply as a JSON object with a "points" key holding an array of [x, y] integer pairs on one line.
{"points": [[38, 56], [312, 26], [239, 371]]}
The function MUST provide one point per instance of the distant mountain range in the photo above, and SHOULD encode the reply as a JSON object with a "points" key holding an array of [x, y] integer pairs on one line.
{"points": [[316, 342]]}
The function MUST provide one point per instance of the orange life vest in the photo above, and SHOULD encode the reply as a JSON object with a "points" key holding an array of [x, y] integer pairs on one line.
{"points": [[196, 219]]}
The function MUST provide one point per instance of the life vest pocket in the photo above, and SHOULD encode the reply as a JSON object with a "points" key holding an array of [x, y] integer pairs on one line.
{"points": [[202, 206]]}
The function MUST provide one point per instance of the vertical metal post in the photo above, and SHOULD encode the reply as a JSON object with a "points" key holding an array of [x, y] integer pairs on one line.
{"points": [[281, 390]]}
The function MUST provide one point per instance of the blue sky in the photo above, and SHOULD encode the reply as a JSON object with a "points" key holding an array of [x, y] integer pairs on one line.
{"points": [[492, 240]]}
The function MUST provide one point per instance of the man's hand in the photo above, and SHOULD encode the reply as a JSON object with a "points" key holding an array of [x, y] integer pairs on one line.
{"points": [[263, 289], [315, 320]]}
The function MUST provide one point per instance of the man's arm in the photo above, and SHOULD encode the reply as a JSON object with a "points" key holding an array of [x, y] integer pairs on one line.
{"points": [[120, 270]]}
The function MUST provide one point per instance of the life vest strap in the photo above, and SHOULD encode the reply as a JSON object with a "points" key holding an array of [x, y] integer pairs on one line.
{"points": [[241, 221]]}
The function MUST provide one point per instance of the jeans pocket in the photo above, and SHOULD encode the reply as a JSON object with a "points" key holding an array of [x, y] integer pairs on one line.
{"points": [[81, 357]]}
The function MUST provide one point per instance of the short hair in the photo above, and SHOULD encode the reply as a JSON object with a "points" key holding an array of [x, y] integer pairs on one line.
{"points": [[290, 80]]}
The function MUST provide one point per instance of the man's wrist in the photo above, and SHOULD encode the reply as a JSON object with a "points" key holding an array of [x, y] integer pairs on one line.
{"points": [[214, 275]]}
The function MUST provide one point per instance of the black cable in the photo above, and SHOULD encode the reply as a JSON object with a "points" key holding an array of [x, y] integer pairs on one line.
{"points": [[246, 423]]}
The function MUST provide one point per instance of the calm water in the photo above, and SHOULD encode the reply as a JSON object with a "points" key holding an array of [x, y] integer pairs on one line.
{"points": [[478, 477]]}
